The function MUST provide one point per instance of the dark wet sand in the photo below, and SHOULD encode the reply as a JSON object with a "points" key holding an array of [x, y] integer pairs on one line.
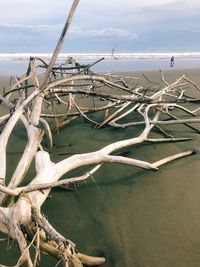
{"points": [[134, 217]]}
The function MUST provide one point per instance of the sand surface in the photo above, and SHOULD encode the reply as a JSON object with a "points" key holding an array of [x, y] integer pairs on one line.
{"points": [[133, 217]]}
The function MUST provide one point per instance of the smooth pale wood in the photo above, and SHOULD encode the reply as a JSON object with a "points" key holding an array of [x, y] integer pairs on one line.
{"points": [[112, 116], [90, 260], [60, 42], [173, 157], [35, 136]]}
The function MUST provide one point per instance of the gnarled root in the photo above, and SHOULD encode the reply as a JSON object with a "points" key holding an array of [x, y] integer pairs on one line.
{"points": [[59, 247]]}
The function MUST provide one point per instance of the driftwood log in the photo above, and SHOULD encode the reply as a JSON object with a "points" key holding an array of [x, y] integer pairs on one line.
{"points": [[120, 101]]}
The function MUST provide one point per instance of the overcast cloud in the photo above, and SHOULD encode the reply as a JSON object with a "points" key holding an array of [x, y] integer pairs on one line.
{"points": [[99, 26]]}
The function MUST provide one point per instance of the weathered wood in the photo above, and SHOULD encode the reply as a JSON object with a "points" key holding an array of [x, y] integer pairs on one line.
{"points": [[60, 43]]}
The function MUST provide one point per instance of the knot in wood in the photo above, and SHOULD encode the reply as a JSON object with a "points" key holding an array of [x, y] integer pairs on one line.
{"points": [[26, 197]]}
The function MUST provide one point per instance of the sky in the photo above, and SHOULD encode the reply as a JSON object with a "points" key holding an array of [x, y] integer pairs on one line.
{"points": [[100, 26]]}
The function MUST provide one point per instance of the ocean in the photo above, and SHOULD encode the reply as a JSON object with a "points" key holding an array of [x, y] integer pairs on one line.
{"points": [[17, 62]]}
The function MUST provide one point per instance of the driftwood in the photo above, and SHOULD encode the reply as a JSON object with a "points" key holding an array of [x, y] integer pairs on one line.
{"points": [[77, 95]]}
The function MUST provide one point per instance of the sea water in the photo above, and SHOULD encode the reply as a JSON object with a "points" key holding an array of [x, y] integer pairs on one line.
{"points": [[17, 62]]}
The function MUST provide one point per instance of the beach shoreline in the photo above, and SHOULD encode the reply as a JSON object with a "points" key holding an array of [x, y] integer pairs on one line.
{"points": [[111, 64]]}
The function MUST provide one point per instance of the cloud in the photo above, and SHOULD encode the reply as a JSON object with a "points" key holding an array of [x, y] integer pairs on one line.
{"points": [[31, 27], [34, 36], [105, 32], [75, 31], [157, 3], [135, 24], [23, 11]]}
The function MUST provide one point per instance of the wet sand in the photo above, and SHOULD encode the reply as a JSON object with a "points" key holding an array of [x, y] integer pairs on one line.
{"points": [[135, 218]]}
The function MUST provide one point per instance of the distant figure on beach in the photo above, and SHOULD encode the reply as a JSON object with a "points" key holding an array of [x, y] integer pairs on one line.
{"points": [[172, 61], [113, 54]]}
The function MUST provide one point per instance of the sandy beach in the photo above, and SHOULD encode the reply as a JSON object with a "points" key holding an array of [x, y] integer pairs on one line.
{"points": [[154, 75], [133, 217]]}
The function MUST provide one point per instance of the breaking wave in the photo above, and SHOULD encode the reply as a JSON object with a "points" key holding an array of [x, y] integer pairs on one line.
{"points": [[96, 56]]}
